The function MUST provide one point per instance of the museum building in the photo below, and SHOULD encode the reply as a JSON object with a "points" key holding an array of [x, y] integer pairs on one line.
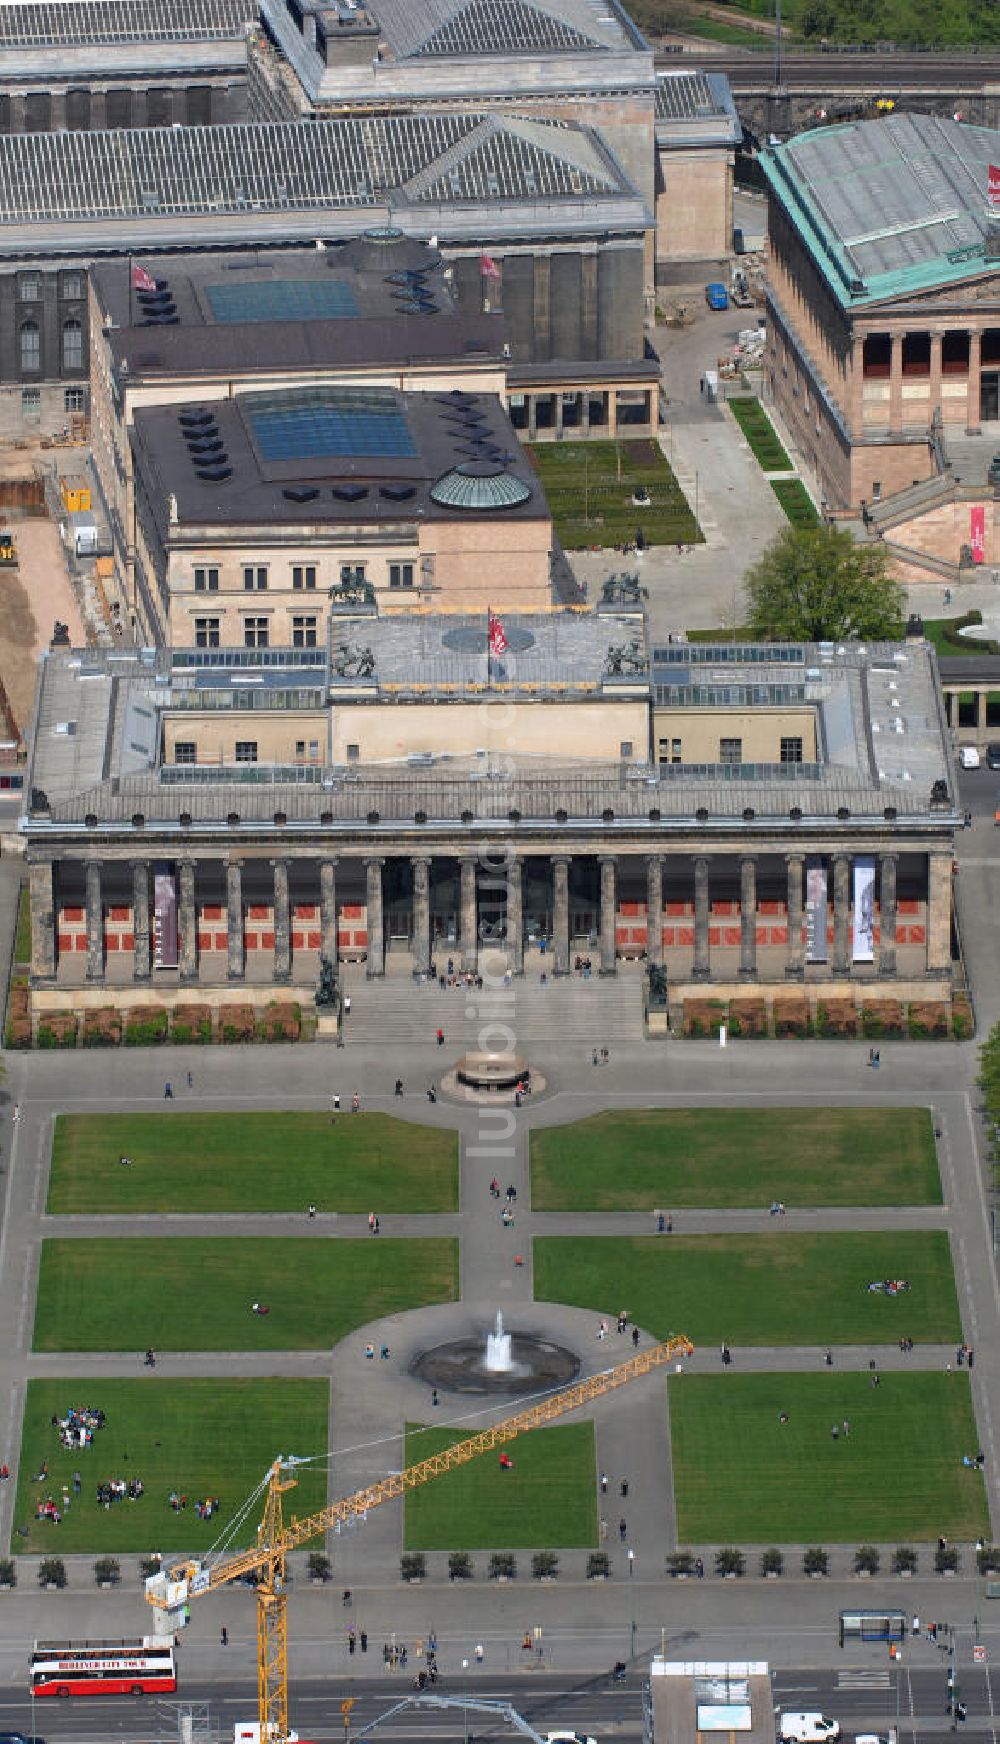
{"points": [[763, 816]]}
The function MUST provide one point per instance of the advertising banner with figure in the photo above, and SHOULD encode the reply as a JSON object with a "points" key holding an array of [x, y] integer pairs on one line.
{"points": [[977, 532], [164, 916], [816, 897], [864, 909]]}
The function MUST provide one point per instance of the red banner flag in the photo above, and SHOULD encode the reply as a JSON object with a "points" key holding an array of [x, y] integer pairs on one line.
{"points": [[142, 280], [977, 532], [488, 268], [994, 184], [498, 638]]}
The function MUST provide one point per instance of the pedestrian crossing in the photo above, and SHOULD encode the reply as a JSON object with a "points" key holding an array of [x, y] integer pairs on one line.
{"points": [[873, 1677]]}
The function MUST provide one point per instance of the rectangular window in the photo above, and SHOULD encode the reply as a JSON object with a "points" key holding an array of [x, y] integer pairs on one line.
{"points": [[314, 750], [185, 751], [353, 753], [401, 575], [206, 580], [246, 750], [625, 748], [28, 288], [255, 633], [303, 632], [206, 632], [351, 574], [255, 577], [676, 754], [303, 576], [74, 399], [877, 490], [730, 750], [72, 286], [31, 401], [300, 747], [791, 750]]}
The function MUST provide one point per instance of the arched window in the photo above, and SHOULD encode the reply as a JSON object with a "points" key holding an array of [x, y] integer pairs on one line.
{"points": [[31, 345], [72, 345]]}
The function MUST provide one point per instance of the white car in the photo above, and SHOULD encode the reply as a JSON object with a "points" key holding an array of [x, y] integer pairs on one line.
{"points": [[968, 757], [567, 1738]]}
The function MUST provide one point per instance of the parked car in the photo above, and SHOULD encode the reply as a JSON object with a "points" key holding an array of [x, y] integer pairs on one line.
{"points": [[993, 756], [716, 295], [968, 757], [808, 1729]]}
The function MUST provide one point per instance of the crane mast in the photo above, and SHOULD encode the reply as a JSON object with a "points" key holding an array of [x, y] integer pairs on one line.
{"points": [[170, 1589]]}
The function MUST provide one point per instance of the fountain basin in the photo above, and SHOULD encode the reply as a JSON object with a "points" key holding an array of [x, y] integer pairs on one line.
{"points": [[461, 1366], [492, 1071]]}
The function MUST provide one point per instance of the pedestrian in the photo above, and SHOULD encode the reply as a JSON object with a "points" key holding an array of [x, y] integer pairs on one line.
{"points": [[434, 1397], [439, 1037], [670, 1226], [355, 1103], [622, 1530], [635, 1338], [624, 1487], [351, 1642], [399, 1087], [596, 1059], [970, 1356], [604, 1483], [876, 1380], [384, 1353], [846, 1426], [916, 1624], [150, 1358], [190, 1081], [168, 1091], [371, 1223], [347, 1598], [311, 1212], [378, 1226], [480, 1653], [661, 1223], [224, 1636], [334, 1105], [363, 1639], [828, 1359], [960, 1356], [603, 1530], [835, 1432], [17, 1110], [77, 1483], [124, 1162]]}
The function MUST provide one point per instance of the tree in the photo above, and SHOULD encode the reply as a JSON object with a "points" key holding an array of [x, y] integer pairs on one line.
{"points": [[814, 584]]}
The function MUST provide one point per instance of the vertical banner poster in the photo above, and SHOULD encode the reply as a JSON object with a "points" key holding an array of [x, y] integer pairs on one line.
{"points": [[977, 532], [864, 909], [815, 911], [164, 916]]}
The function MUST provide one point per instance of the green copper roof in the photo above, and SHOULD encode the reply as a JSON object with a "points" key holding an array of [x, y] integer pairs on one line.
{"points": [[892, 206]]}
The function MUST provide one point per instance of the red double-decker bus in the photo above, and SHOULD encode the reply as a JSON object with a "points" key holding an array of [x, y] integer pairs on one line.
{"points": [[143, 1666]]}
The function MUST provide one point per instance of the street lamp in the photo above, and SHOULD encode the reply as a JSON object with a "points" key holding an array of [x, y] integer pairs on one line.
{"points": [[631, 1596]]}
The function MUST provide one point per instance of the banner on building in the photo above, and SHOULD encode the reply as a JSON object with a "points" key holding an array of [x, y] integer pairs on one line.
{"points": [[977, 532], [864, 909], [994, 184], [815, 911], [164, 917]]}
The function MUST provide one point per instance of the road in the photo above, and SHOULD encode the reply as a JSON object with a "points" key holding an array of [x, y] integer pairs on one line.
{"points": [[874, 1697]]}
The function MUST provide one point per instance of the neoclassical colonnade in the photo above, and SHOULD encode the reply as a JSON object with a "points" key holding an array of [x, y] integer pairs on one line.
{"points": [[483, 887]]}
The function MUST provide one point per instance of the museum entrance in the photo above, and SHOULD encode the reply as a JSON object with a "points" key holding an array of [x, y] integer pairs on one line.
{"points": [[989, 396]]}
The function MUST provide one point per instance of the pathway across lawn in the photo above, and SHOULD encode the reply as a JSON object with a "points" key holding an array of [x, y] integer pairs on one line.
{"points": [[199, 1438], [208, 1163], [725, 1157], [547, 1501], [770, 1289], [742, 1476], [198, 1294]]}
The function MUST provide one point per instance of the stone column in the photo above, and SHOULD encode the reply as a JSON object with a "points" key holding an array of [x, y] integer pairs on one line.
{"points": [[654, 908], [235, 953], [375, 966], [982, 707], [935, 379], [609, 909], [468, 915], [95, 922], [748, 917], [896, 382], [887, 914], [842, 914], [701, 968], [560, 915], [421, 914], [141, 961], [515, 915], [939, 914], [795, 960], [328, 910], [42, 902], [973, 422], [282, 923], [187, 922]]}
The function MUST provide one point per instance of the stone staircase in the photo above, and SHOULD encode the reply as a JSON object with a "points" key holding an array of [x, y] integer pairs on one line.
{"points": [[591, 1012]]}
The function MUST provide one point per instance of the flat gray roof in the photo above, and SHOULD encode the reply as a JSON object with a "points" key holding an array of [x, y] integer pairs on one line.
{"points": [[695, 108]]}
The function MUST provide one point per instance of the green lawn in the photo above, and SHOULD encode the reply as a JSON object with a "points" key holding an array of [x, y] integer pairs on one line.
{"points": [[196, 1294], [589, 487], [200, 1438], [250, 1162], [22, 933], [759, 432], [547, 1502], [743, 1477], [796, 502], [766, 1289], [714, 1158]]}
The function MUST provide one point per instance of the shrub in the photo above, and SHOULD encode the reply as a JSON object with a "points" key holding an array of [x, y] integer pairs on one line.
{"points": [[103, 1028], [236, 1023], [815, 1561], [988, 1559], [320, 1566], [459, 1565], [57, 1030], [598, 1565], [729, 1560], [191, 1024], [680, 1562], [961, 1017], [412, 1565], [904, 1560], [703, 1016], [927, 1019], [52, 1572], [503, 1566], [145, 1028], [17, 1033], [148, 1566], [836, 1021], [748, 1017], [544, 1565], [8, 1572], [771, 1562], [279, 1023], [107, 1568], [882, 1017], [866, 1559], [946, 1559]]}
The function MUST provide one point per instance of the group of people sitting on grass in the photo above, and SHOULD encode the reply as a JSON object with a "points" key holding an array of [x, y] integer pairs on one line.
{"points": [[204, 1510], [117, 1490], [78, 1426], [888, 1286]]}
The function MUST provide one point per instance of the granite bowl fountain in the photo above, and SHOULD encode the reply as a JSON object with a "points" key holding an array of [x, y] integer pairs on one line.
{"points": [[508, 1363]]}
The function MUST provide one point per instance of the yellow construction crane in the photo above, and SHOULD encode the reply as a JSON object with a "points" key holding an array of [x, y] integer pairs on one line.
{"points": [[171, 1589]]}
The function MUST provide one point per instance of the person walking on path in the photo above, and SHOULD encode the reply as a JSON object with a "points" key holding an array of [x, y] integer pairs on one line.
{"points": [[168, 1091], [311, 1213], [224, 1636], [622, 1530]]}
